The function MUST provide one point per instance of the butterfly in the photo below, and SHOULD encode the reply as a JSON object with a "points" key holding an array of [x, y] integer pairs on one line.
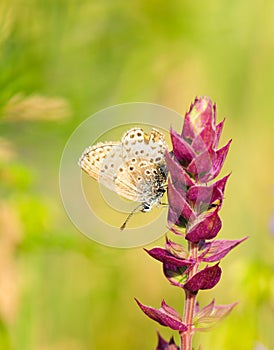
{"points": [[134, 168]]}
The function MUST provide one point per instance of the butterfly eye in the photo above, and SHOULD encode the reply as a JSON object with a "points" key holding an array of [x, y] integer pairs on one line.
{"points": [[158, 159], [137, 152], [142, 151], [139, 134], [148, 172], [121, 170], [139, 178], [133, 160], [131, 168], [154, 171]]}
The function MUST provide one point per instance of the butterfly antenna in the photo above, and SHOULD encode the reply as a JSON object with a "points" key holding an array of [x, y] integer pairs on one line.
{"points": [[129, 216]]}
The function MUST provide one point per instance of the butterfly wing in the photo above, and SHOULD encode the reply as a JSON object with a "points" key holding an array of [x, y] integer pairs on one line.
{"points": [[93, 157], [146, 178], [144, 158], [136, 143], [103, 162], [135, 168]]}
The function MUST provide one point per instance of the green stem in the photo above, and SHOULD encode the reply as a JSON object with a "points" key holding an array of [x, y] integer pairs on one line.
{"points": [[190, 300]]}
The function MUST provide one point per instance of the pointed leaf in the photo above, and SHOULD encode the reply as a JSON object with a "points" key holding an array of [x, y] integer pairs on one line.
{"points": [[218, 249], [181, 149], [199, 117], [220, 158], [219, 129], [206, 195], [179, 176], [166, 257], [210, 315], [206, 226], [179, 210], [202, 164], [204, 279], [204, 140], [166, 316], [217, 163], [176, 275], [176, 249], [164, 345], [188, 132]]}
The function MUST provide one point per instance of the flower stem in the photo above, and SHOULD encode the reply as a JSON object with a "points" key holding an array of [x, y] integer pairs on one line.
{"points": [[190, 300]]}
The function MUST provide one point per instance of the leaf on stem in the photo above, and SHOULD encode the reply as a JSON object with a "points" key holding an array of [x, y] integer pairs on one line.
{"points": [[206, 226], [216, 250], [204, 279], [166, 316], [210, 315], [168, 258]]}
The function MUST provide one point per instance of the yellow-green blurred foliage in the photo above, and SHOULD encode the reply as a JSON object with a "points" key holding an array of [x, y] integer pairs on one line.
{"points": [[61, 61]]}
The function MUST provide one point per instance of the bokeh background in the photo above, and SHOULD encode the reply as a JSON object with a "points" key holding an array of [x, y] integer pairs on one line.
{"points": [[60, 62]]}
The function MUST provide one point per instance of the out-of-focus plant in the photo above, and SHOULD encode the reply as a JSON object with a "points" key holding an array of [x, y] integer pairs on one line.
{"points": [[23, 213], [36, 107], [195, 200]]}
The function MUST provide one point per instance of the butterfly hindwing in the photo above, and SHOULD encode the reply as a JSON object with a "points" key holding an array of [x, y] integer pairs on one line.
{"points": [[93, 158]]}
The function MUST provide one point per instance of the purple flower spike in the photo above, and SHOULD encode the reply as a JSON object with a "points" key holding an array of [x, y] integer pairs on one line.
{"points": [[195, 198], [166, 316], [204, 279]]}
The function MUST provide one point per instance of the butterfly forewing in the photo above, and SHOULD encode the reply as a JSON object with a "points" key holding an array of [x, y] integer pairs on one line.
{"points": [[137, 144], [135, 168]]}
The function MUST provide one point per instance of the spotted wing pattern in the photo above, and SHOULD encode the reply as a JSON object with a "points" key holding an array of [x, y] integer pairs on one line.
{"points": [[134, 168]]}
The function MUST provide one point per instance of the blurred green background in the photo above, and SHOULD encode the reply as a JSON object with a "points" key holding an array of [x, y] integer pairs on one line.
{"points": [[60, 62]]}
